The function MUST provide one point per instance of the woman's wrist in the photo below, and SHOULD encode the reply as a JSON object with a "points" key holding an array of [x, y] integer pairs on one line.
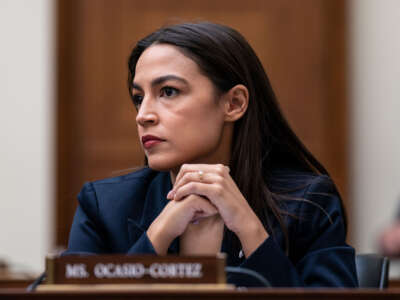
{"points": [[158, 238], [251, 235], [203, 238]]}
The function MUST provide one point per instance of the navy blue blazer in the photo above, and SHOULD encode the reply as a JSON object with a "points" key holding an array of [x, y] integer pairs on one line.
{"points": [[114, 214]]}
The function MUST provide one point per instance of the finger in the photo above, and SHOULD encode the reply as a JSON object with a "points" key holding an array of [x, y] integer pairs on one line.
{"points": [[186, 168], [200, 170], [186, 177], [193, 177], [200, 207], [206, 168], [206, 209], [204, 214], [201, 216], [213, 192]]}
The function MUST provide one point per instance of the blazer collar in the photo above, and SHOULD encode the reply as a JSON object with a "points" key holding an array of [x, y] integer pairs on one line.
{"points": [[156, 198]]}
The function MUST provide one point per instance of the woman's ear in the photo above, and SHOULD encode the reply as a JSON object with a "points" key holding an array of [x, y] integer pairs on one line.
{"points": [[236, 102]]}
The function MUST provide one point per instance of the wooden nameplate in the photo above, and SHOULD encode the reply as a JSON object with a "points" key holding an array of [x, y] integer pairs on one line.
{"points": [[135, 287], [131, 272]]}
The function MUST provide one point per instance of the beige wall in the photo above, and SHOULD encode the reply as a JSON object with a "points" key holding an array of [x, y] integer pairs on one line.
{"points": [[26, 128], [375, 94]]}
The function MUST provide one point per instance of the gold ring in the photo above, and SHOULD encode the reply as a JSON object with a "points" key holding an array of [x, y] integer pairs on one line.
{"points": [[201, 173]]}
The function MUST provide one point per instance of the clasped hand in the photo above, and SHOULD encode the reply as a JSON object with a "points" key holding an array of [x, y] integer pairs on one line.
{"points": [[201, 191]]}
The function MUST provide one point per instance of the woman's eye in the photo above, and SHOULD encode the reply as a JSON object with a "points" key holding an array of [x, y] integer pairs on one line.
{"points": [[169, 91], [137, 100]]}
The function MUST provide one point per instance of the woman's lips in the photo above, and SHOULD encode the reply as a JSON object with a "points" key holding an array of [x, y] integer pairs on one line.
{"points": [[150, 141]]}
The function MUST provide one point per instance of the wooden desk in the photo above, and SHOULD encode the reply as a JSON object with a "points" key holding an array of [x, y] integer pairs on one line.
{"points": [[10, 279], [15, 280], [281, 294], [394, 283], [15, 283]]}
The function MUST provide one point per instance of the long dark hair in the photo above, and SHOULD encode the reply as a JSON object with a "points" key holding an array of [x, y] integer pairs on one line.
{"points": [[262, 138]]}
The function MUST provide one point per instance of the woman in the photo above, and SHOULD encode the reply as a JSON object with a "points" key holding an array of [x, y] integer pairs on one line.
{"points": [[225, 171]]}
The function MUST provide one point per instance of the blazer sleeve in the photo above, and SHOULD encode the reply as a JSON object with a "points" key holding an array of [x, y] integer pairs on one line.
{"points": [[324, 259], [88, 234]]}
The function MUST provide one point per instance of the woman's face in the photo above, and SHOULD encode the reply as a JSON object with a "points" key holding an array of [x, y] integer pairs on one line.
{"points": [[180, 118]]}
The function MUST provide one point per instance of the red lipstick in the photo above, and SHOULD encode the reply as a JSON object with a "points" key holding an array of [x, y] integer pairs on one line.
{"points": [[149, 141]]}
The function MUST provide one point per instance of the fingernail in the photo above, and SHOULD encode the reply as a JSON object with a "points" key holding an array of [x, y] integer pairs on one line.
{"points": [[169, 195]]}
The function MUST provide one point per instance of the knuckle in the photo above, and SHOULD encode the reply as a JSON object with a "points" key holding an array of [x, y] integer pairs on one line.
{"points": [[185, 178], [220, 169], [190, 198], [191, 186], [219, 180], [218, 190]]}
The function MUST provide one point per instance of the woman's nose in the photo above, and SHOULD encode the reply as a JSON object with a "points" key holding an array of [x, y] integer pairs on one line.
{"points": [[146, 113]]}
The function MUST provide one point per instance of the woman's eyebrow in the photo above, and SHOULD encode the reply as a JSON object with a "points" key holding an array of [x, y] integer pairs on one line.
{"points": [[160, 80], [137, 87]]}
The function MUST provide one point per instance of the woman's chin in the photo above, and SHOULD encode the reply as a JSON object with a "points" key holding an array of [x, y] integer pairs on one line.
{"points": [[162, 166]]}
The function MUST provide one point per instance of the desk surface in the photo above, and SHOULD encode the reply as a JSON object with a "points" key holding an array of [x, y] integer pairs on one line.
{"points": [[281, 294]]}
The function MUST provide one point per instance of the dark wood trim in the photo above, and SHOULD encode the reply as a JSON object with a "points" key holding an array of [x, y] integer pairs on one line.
{"points": [[337, 108], [68, 155], [281, 294]]}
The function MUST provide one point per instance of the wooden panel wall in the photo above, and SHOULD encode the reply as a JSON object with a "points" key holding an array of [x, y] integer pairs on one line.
{"points": [[300, 42]]}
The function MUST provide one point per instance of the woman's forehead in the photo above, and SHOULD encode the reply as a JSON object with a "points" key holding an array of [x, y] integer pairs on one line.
{"points": [[162, 59]]}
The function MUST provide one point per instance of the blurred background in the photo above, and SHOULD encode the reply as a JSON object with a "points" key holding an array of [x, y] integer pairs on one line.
{"points": [[66, 117]]}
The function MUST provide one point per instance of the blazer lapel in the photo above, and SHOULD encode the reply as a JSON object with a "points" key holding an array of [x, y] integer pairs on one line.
{"points": [[154, 203]]}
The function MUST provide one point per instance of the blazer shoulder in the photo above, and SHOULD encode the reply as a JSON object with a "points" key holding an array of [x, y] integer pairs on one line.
{"points": [[139, 175], [100, 194], [317, 218]]}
